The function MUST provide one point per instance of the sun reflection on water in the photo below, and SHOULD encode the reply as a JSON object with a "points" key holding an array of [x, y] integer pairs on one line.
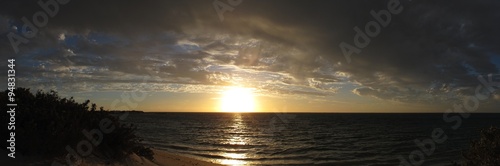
{"points": [[237, 138], [235, 155], [232, 162]]}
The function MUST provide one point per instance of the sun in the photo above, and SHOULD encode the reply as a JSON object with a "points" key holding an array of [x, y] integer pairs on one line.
{"points": [[237, 99]]}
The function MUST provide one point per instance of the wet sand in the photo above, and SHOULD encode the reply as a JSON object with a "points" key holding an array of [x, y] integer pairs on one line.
{"points": [[161, 158]]}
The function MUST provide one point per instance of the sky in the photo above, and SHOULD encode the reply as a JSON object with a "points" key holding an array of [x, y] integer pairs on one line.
{"points": [[294, 55]]}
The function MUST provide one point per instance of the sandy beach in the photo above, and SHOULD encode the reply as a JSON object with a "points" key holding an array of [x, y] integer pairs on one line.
{"points": [[162, 158]]}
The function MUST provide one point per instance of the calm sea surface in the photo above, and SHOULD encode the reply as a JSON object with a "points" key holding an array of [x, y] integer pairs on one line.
{"points": [[305, 139]]}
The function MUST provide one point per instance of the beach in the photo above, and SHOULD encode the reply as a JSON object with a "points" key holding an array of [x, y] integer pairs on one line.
{"points": [[161, 158]]}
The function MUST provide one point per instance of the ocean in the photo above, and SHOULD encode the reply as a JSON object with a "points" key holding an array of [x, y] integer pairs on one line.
{"points": [[307, 138]]}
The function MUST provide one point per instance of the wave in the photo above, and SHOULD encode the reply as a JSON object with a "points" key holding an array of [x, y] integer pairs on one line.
{"points": [[324, 139]]}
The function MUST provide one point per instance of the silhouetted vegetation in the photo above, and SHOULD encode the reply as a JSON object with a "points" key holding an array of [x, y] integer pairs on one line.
{"points": [[47, 123], [484, 151]]}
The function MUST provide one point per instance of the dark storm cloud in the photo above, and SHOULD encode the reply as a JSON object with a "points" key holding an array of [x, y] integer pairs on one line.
{"points": [[431, 48], [109, 16], [432, 44]]}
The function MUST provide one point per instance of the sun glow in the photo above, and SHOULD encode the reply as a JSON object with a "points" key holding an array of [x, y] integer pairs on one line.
{"points": [[237, 99]]}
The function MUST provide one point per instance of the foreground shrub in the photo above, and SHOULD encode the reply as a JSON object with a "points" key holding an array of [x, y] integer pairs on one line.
{"points": [[46, 124], [484, 151]]}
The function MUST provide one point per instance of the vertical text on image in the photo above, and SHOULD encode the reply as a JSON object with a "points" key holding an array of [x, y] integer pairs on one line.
{"points": [[11, 108]]}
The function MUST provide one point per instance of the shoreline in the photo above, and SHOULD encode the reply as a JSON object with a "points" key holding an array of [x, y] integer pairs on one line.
{"points": [[161, 158], [164, 158]]}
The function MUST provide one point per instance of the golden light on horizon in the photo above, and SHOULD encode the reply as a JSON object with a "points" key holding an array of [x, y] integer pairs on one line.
{"points": [[237, 99]]}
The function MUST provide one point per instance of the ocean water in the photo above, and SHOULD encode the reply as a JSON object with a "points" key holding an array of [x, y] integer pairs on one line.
{"points": [[305, 138]]}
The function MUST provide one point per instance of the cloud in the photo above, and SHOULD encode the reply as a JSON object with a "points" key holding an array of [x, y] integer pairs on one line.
{"points": [[431, 52]]}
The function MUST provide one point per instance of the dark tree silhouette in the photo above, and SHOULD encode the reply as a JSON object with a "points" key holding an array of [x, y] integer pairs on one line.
{"points": [[47, 123], [484, 151]]}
